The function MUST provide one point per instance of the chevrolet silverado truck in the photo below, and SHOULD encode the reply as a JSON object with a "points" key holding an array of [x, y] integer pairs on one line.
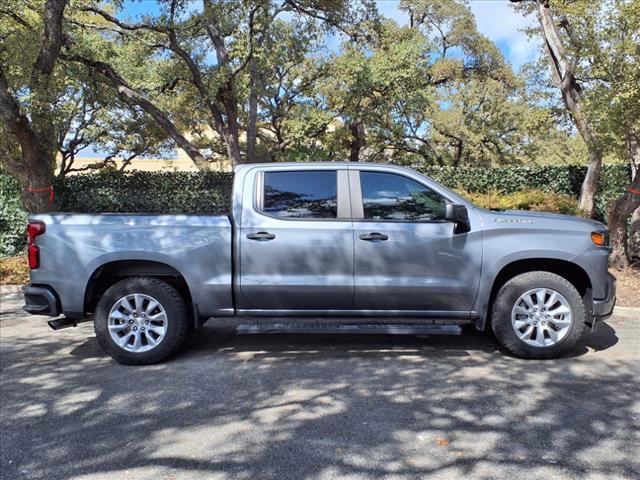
{"points": [[323, 247]]}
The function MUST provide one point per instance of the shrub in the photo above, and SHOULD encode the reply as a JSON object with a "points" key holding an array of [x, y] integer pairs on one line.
{"points": [[146, 192], [532, 199], [13, 218], [563, 179]]}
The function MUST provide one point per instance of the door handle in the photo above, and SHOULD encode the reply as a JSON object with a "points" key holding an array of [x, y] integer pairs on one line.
{"points": [[261, 236], [374, 237]]}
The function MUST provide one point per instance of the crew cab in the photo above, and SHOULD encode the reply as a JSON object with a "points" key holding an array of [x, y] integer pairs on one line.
{"points": [[323, 247]]}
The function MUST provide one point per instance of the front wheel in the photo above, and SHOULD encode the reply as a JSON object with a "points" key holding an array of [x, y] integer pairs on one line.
{"points": [[141, 320], [538, 315]]}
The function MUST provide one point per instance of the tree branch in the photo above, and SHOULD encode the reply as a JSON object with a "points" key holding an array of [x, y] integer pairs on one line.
{"points": [[125, 26], [250, 46], [133, 97], [17, 18], [51, 39], [18, 123]]}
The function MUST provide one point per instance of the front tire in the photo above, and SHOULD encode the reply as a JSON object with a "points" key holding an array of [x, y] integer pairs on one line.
{"points": [[538, 315], [141, 320]]}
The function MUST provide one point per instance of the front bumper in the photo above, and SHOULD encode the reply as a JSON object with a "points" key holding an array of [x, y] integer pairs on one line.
{"points": [[41, 300], [603, 308]]}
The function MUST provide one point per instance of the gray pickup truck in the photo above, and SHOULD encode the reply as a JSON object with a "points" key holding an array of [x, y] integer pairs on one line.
{"points": [[323, 247]]}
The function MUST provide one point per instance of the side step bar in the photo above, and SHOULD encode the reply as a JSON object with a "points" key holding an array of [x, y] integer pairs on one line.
{"points": [[359, 328]]}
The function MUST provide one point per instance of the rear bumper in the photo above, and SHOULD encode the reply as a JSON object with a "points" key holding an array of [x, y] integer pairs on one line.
{"points": [[41, 300], [603, 308]]}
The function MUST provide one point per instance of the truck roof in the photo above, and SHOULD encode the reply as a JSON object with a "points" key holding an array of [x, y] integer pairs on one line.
{"points": [[314, 164]]}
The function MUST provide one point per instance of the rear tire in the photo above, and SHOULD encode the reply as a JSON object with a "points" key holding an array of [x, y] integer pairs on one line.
{"points": [[141, 320], [538, 315]]}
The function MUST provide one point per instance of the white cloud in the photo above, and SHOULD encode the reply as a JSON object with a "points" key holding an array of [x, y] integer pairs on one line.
{"points": [[497, 20]]}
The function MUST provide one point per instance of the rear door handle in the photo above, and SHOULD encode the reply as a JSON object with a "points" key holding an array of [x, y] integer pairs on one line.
{"points": [[374, 237], [261, 236]]}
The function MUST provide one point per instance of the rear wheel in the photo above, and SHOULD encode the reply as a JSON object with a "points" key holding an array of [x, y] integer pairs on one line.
{"points": [[141, 320], [538, 315]]}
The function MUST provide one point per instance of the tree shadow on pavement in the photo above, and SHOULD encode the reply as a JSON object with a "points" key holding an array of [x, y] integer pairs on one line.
{"points": [[306, 407]]}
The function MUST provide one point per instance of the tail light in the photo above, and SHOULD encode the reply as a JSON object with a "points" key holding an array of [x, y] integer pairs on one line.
{"points": [[34, 228]]}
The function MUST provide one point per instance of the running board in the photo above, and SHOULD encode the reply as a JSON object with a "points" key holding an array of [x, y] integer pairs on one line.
{"points": [[360, 328]]}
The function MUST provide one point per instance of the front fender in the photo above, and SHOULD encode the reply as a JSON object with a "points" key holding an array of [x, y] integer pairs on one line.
{"points": [[494, 266]]}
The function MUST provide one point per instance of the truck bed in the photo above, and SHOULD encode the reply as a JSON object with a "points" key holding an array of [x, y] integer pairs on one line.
{"points": [[197, 246]]}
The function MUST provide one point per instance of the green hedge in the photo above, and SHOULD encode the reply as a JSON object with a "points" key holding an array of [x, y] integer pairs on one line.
{"points": [[145, 192], [564, 179], [209, 192], [13, 218]]}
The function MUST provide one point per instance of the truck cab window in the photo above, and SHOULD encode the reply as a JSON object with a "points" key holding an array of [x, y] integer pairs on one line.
{"points": [[302, 194], [388, 196]]}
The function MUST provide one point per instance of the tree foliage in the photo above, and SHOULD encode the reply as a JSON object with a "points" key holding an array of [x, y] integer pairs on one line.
{"points": [[255, 81], [599, 76]]}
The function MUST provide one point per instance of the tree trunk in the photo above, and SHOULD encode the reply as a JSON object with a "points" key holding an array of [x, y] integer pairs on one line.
{"points": [[38, 194], [590, 183], [231, 138], [634, 238], [562, 70], [252, 118], [357, 141], [619, 212], [35, 169], [628, 205], [35, 133]]}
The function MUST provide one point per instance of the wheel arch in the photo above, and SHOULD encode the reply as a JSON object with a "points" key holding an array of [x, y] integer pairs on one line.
{"points": [[108, 273], [567, 269]]}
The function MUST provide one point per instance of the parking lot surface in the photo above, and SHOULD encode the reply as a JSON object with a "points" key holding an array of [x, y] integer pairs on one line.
{"points": [[316, 407]]}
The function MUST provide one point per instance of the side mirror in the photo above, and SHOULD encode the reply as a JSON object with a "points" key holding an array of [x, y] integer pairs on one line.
{"points": [[457, 214]]}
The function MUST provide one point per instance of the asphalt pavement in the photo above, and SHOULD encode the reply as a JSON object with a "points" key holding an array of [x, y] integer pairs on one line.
{"points": [[316, 407]]}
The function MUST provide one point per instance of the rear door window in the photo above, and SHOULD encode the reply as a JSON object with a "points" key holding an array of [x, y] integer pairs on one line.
{"points": [[303, 194]]}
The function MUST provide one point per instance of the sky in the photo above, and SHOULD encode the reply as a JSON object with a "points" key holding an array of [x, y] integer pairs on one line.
{"points": [[494, 18]]}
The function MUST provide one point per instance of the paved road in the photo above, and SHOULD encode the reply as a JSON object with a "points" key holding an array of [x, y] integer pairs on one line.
{"points": [[303, 407]]}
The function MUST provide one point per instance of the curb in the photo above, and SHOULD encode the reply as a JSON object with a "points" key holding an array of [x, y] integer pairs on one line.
{"points": [[7, 289], [627, 311]]}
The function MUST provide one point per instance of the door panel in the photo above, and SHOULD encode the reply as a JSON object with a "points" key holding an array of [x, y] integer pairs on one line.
{"points": [[421, 266], [295, 251], [406, 256]]}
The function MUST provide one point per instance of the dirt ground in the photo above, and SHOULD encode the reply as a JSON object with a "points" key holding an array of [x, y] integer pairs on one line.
{"points": [[14, 271], [628, 287]]}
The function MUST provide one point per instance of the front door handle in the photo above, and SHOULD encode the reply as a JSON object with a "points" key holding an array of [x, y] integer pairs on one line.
{"points": [[261, 236], [374, 237]]}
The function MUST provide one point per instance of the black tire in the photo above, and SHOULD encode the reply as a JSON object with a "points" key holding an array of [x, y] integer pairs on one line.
{"points": [[176, 326], [506, 299]]}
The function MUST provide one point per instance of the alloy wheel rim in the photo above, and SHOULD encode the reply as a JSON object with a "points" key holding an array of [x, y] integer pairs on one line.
{"points": [[137, 322], [541, 317]]}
